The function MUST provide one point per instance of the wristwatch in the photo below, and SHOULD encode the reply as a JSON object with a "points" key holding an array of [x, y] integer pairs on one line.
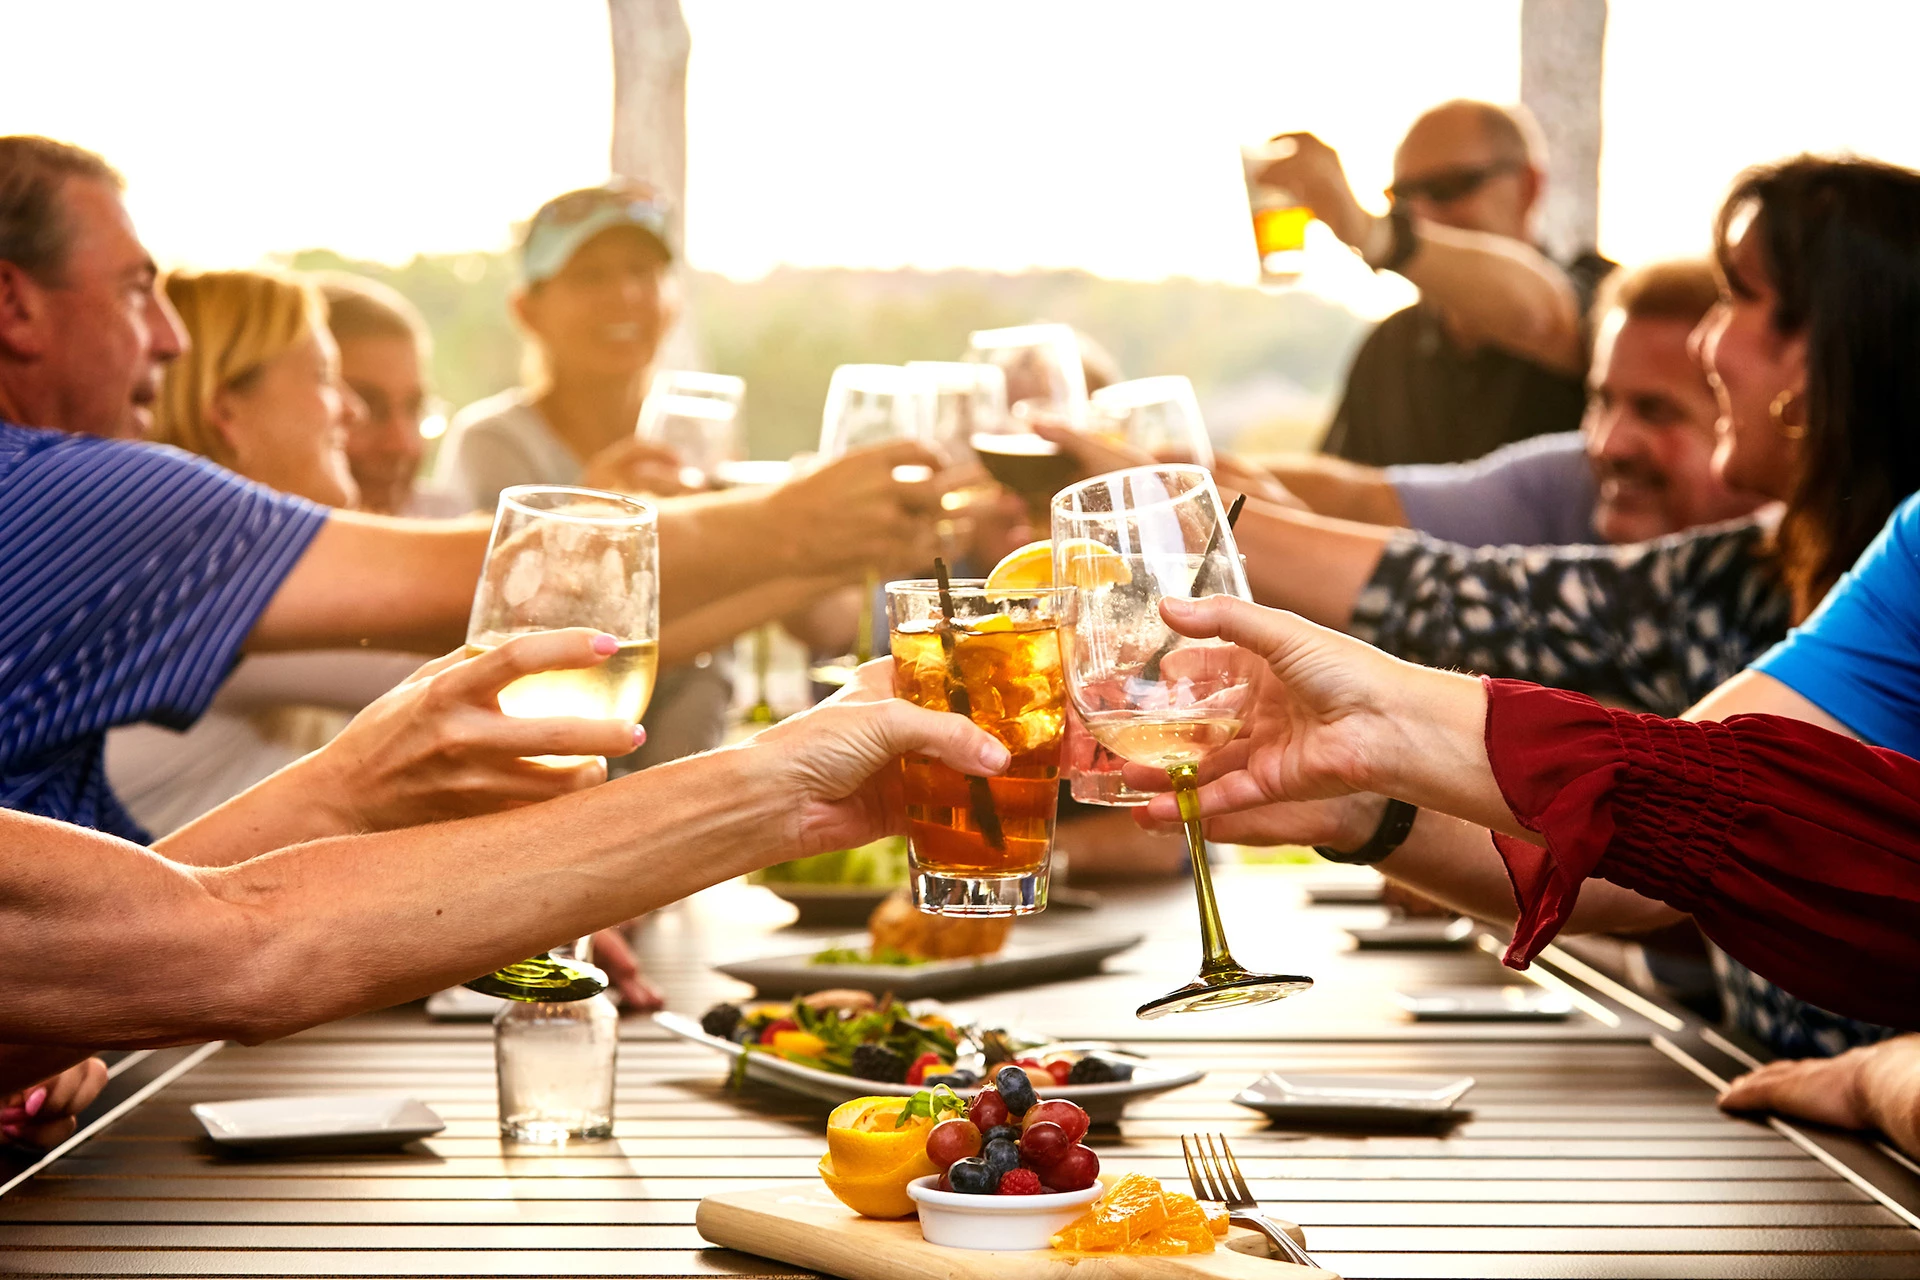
{"points": [[1396, 821], [1393, 243]]}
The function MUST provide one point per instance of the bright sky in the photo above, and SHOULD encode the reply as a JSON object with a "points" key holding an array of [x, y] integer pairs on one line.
{"points": [[999, 134]]}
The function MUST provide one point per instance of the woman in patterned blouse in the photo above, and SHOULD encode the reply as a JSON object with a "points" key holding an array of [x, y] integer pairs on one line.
{"points": [[1814, 353]]}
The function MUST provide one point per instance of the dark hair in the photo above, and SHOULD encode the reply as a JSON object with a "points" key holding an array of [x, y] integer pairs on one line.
{"points": [[35, 233], [1840, 241]]}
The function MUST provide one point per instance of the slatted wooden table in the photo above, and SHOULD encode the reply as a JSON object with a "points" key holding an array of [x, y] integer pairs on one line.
{"points": [[1595, 1149]]}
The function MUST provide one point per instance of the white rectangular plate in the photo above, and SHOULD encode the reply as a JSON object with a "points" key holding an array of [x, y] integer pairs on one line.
{"points": [[1013, 966], [461, 1004], [1487, 1004], [1424, 934], [1102, 1102], [1357, 1101], [347, 1122]]}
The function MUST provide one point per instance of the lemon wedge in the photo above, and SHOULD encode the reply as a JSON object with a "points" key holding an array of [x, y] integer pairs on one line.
{"points": [[1030, 568]]}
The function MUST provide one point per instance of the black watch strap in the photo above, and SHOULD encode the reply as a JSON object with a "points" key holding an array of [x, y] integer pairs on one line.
{"points": [[1405, 242], [1396, 821]]}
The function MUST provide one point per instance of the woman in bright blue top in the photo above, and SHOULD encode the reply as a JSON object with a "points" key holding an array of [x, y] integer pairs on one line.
{"points": [[1858, 657]]}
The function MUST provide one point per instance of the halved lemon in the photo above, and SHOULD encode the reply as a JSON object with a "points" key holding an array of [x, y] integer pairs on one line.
{"points": [[1030, 569]]}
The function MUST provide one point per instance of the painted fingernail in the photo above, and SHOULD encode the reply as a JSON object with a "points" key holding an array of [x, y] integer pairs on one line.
{"points": [[639, 734], [9, 1132], [12, 1115], [604, 645], [36, 1100]]}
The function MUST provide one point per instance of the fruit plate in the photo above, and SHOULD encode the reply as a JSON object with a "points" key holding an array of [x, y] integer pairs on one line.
{"points": [[1015, 965], [1103, 1103], [802, 1225]]}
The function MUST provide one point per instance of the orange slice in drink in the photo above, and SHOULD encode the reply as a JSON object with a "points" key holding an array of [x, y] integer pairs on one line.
{"points": [[1030, 569]]}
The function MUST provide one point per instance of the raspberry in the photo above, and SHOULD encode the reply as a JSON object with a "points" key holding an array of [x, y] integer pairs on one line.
{"points": [[1020, 1182]]}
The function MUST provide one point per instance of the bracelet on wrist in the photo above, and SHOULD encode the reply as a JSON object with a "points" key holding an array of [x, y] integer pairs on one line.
{"points": [[1396, 823]]}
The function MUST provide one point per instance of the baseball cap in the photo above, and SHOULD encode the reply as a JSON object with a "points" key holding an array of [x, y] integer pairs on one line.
{"points": [[566, 222]]}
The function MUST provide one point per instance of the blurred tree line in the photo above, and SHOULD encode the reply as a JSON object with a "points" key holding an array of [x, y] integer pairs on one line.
{"points": [[785, 332]]}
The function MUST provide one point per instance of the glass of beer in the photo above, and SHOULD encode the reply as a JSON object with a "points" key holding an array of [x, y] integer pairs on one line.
{"points": [[1279, 218], [981, 846], [567, 557]]}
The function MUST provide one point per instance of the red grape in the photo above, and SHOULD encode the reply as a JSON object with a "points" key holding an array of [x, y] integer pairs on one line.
{"points": [[1077, 1169], [1067, 1115], [1043, 1143], [952, 1140], [988, 1109]]}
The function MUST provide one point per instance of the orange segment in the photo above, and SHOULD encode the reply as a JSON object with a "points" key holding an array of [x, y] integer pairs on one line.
{"points": [[1030, 568], [1139, 1216]]}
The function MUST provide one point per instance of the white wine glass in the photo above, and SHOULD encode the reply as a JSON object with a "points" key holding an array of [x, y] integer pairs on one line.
{"points": [[868, 405], [1160, 415], [1124, 542], [697, 416], [568, 557], [1041, 366]]}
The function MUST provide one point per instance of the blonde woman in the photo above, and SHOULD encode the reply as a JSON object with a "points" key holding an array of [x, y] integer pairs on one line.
{"points": [[258, 391]]}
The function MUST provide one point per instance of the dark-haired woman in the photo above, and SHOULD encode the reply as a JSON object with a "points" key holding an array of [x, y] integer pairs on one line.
{"points": [[1814, 353]]}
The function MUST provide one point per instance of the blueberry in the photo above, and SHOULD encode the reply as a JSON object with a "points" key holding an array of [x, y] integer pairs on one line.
{"points": [[961, 1079], [1016, 1090], [973, 1176], [743, 1034], [1001, 1156], [967, 1077], [1010, 1132]]}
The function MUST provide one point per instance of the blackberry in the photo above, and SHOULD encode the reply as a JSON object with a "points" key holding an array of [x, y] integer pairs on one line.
{"points": [[877, 1062], [1099, 1071], [721, 1020]]}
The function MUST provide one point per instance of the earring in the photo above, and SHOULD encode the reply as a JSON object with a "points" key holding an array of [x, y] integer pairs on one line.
{"points": [[1778, 412]]}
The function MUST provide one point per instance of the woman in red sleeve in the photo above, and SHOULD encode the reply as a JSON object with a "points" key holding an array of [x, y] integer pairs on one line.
{"points": [[1795, 849]]}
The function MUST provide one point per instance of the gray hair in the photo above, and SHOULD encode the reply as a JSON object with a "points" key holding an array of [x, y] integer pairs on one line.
{"points": [[35, 233]]}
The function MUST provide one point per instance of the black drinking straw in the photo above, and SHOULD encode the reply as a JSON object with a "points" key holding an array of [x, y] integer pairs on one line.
{"points": [[979, 794], [1152, 670]]}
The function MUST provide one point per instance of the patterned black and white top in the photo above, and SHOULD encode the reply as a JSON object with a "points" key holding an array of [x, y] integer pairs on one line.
{"points": [[1653, 625]]}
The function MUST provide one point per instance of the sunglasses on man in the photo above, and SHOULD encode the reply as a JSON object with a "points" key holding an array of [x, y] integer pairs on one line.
{"points": [[1448, 185]]}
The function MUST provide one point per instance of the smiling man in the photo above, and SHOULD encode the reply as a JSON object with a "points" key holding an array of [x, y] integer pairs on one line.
{"points": [[1494, 351]]}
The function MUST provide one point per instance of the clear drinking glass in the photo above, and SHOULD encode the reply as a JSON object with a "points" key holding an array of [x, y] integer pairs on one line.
{"points": [[568, 557], [1122, 543], [697, 415], [1041, 366], [867, 405], [556, 1067], [981, 846], [1279, 218], [1160, 415]]}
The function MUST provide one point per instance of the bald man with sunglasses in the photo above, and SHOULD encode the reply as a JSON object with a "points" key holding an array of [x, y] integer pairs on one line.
{"points": [[1494, 351]]}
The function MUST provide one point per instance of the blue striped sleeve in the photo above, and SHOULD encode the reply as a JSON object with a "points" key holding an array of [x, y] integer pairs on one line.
{"points": [[133, 574]]}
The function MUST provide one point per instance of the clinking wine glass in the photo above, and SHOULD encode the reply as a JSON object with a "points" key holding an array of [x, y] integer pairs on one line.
{"points": [[697, 416], [1124, 542], [1160, 415], [867, 405], [568, 557], [1043, 372]]}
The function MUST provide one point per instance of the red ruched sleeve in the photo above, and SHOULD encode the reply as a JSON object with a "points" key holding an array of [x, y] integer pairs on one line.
{"points": [[1797, 850]]}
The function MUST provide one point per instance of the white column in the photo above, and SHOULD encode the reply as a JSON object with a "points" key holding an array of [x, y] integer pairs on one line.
{"points": [[650, 50], [1561, 46]]}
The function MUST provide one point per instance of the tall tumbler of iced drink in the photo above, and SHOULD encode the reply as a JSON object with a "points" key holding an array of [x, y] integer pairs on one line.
{"points": [[981, 846], [1279, 218]]}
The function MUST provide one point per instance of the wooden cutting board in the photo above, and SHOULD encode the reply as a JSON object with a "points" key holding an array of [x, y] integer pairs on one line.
{"points": [[807, 1227]]}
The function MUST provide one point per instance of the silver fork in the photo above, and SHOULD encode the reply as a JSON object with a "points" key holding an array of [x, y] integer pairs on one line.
{"points": [[1216, 1176]]}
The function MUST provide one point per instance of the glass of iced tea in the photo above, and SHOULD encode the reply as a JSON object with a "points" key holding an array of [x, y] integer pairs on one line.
{"points": [[981, 846]]}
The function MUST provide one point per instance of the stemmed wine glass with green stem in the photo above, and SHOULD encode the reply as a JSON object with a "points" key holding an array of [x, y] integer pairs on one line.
{"points": [[568, 557], [1124, 542]]}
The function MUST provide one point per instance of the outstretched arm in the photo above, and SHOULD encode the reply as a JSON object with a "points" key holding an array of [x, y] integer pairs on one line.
{"points": [[155, 952], [1712, 819]]}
